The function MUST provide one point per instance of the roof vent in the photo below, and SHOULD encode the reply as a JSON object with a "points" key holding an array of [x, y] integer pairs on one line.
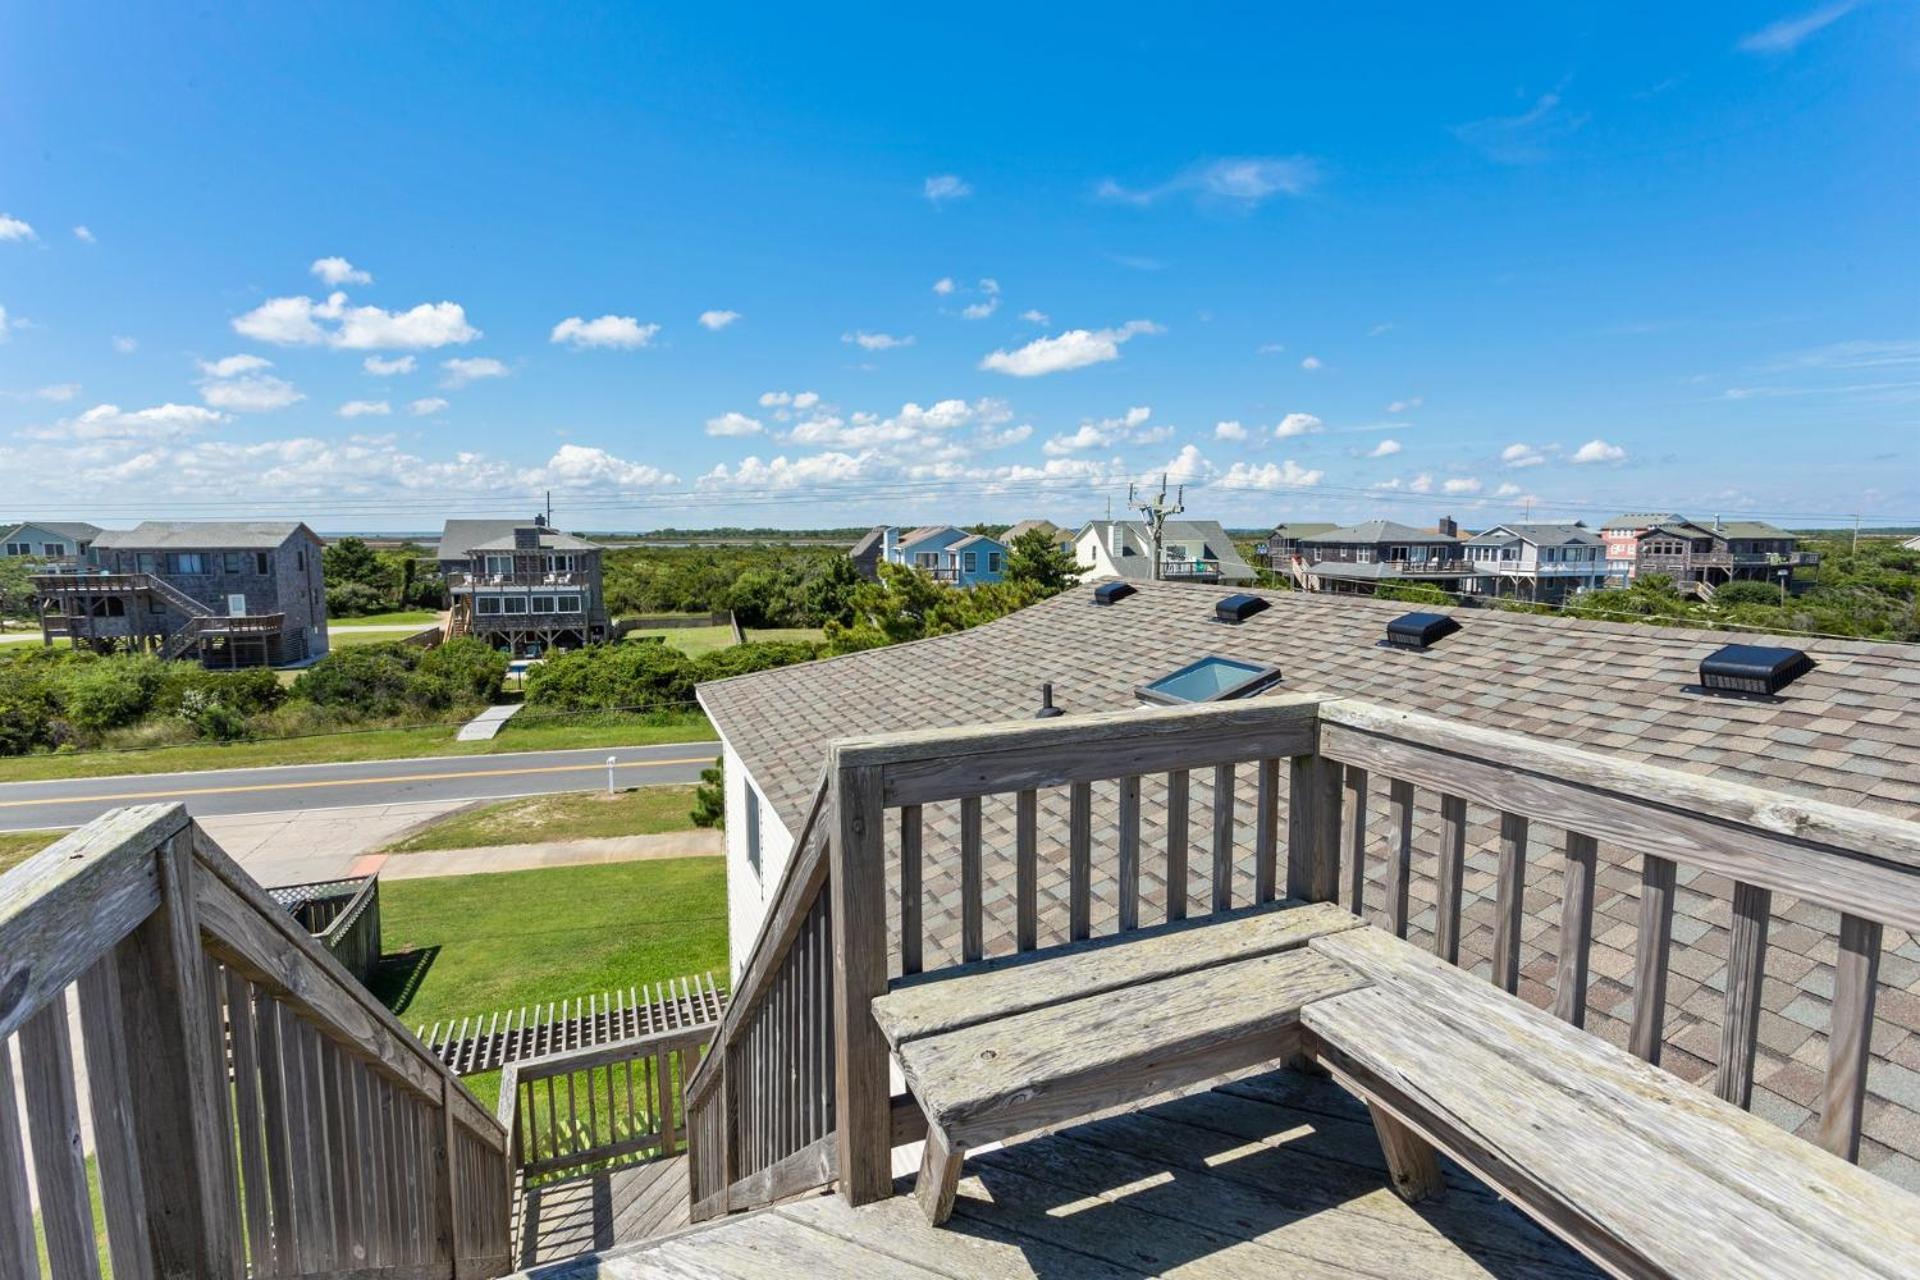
{"points": [[1047, 710], [1113, 592], [1238, 608], [1751, 670], [1419, 631]]}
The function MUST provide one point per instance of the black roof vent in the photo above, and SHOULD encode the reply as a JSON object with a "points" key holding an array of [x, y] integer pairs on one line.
{"points": [[1751, 670], [1047, 710], [1238, 608], [1113, 592], [1419, 631]]}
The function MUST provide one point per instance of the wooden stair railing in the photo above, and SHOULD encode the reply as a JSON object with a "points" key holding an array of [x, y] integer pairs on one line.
{"points": [[255, 1111]]}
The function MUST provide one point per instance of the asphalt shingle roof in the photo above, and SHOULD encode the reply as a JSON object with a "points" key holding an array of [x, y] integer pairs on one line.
{"points": [[1847, 732], [463, 537], [155, 535], [1377, 531]]}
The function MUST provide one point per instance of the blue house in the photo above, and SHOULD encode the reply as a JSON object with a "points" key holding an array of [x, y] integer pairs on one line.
{"points": [[950, 554]]}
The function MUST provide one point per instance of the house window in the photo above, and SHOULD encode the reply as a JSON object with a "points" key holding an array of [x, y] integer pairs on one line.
{"points": [[513, 604], [187, 562], [567, 604], [1211, 679], [559, 564], [260, 563], [543, 604], [971, 561], [230, 562], [753, 828], [300, 559], [19, 549], [993, 562], [499, 564], [486, 604], [926, 559]]}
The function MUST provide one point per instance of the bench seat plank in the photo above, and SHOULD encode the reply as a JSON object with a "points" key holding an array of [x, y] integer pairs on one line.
{"points": [[997, 1079], [930, 1004], [1615, 1153]]}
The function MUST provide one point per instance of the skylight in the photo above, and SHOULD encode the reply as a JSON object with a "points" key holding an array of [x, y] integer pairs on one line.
{"points": [[1211, 679]]}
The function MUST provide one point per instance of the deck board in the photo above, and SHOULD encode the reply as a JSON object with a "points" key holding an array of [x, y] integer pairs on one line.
{"points": [[601, 1210], [1275, 1175]]}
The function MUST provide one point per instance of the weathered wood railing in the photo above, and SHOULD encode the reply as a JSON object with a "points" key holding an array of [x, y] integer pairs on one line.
{"points": [[251, 1109], [796, 1094], [343, 914], [598, 1108], [1863, 865]]}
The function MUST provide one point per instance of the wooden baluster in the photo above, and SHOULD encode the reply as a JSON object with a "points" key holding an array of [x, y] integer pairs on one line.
{"points": [[273, 1107], [1223, 837], [1080, 862], [1313, 829], [1453, 867], [440, 1153], [116, 1148], [911, 900], [1128, 872], [252, 1146], [1746, 971], [1177, 836], [18, 1253], [972, 945], [1576, 930], [863, 1110], [53, 1121], [338, 1177], [1266, 831], [1026, 869], [1511, 907], [1355, 800], [1400, 860], [1650, 958], [1844, 1096]]}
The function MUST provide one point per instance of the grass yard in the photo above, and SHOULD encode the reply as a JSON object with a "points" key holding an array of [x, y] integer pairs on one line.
{"points": [[612, 729], [692, 641], [537, 819], [787, 633], [349, 639], [396, 618], [17, 846], [464, 945]]}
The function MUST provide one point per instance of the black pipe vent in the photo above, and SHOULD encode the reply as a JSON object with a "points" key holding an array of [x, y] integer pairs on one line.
{"points": [[1113, 592], [1751, 670], [1419, 631], [1238, 608], [1047, 710]]}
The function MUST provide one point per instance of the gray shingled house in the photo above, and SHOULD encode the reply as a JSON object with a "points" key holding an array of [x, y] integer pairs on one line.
{"points": [[522, 585]]}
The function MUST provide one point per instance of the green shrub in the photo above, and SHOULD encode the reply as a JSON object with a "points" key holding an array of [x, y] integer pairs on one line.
{"points": [[710, 797], [757, 655], [367, 680], [601, 677], [1735, 593], [472, 670], [112, 694], [352, 599]]}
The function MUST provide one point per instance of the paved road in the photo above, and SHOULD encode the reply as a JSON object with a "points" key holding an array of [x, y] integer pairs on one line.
{"points": [[48, 805]]}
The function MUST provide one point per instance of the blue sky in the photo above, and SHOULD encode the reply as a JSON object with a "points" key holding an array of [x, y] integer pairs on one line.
{"points": [[373, 265]]}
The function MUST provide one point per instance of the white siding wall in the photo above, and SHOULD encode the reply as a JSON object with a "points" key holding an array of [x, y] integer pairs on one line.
{"points": [[749, 892]]}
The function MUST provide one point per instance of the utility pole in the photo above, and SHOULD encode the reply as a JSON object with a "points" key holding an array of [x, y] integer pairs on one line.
{"points": [[1856, 535], [1155, 512], [549, 508]]}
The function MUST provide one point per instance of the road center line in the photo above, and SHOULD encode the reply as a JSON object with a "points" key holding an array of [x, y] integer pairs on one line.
{"points": [[351, 782]]}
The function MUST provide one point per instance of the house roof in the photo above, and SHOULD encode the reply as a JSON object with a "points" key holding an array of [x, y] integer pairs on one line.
{"points": [[1302, 528], [1390, 571], [1639, 519], [161, 535], [1750, 529], [1208, 533], [974, 540], [921, 534], [869, 541], [72, 530], [1541, 535], [1048, 527], [463, 537], [1378, 531]]}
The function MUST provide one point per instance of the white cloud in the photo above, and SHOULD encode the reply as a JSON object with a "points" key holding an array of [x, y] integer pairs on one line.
{"points": [[1270, 348], [1035, 316], [1378, 329], [233, 366], [989, 301], [782, 400], [11, 228], [577, 467], [876, 341], [1527, 138], [1298, 424], [804, 400], [943, 286], [121, 343], [1787, 34], [1189, 466], [365, 408], [1131, 428], [1385, 449], [1599, 451], [1422, 483], [1521, 455], [302, 322], [58, 393], [1405, 406], [1310, 363], [718, 320], [623, 332], [426, 406], [338, 271], [1240, 181], [4, 324], [1461, 485], [106, 422], [943, 187], [929, 431], [83, 234], [254, 393], [1074, 349], [1282, 475], [1229, 431], [734, 424], [381, 367], [1507, 490], [461, 372]]}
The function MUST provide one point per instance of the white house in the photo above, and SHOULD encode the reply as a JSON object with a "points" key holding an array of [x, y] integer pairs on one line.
{"points": [[1190, 551], [1546, 562]]}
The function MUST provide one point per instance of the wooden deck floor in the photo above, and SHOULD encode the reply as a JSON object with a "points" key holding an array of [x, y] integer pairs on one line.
{"points": [[1278, 1175], [598, 1211]]}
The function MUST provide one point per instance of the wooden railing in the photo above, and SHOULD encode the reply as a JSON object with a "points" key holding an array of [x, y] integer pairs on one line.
{"points": [[251, 1109], [795, 1091], [601, 1108], [344, 915]]}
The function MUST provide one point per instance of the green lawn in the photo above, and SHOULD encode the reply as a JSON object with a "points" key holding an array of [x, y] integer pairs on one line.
{"points": [[348, 639], [571, 816], [608, 730], [787, 633], [395, 618], [692, 641], [17, 846], [464, 945]]}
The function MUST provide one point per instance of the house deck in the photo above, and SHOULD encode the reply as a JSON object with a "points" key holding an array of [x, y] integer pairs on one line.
{"points": [[1279, 1174]]}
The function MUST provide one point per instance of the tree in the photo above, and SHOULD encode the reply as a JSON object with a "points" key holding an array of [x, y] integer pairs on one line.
{"points": [[1034, 560], [710, 796], [1747, 592], [16, 588], [352, 560]]}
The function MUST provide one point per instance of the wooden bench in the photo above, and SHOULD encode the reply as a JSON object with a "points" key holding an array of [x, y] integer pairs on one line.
{"points": [[1003, 1047], [1644, 1173]]}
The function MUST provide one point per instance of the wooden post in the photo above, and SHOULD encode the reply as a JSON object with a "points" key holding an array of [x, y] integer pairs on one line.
{"points": [[1576, 929], [191, 1226], [1511, 888], [1746, 970], [1313, 829], [443, 1149], [1356, 841], [862, 1094], [1650, 960], [1845, 1095], [1400, 860], [1453, 866]]}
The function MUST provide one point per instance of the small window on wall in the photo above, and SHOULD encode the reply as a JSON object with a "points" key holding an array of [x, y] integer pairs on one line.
{"points": [[230, 562], [486, 604], [568, 604], [993, 562], [513, 604], [971, 561], [753, 827], [260, 563], [543, 604]]}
